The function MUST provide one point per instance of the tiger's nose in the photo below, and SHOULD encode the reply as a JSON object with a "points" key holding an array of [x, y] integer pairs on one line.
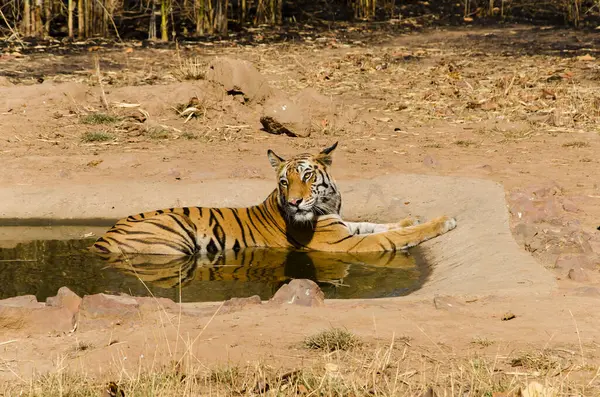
{"points": [[295, 202]]}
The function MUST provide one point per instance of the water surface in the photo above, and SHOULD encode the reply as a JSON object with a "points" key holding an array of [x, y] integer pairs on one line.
{"points": [[39, 260]]}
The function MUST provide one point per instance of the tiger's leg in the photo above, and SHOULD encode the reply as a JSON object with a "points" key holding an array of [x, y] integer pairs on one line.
{"points": [[334, 236], [369, 228]]}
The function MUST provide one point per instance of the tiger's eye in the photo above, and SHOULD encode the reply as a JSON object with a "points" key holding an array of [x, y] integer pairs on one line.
{"points": [[308, 176], [283, 182]]}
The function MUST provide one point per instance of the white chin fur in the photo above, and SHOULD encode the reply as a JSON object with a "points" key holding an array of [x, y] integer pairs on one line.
{"points": [[304, 217]]}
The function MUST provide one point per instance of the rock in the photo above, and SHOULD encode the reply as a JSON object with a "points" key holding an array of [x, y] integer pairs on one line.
{"points": [[429, 161], [36, 320], [532, 208], [239, 77], [24, 301], [301, 292], [569, 206], [576, 261], [578, 274], [65, 298], [282, 116], [524, 233], [102, 305], [236, 304]]}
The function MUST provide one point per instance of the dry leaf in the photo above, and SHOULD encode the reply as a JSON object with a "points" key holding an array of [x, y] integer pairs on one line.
{"points": [[586, 58]]}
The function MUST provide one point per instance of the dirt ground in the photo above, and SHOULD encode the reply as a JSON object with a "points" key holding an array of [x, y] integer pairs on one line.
{"points": [[516, 105]]}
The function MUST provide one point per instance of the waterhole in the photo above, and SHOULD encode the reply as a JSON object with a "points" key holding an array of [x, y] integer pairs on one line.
{"points": [[38, 260]]}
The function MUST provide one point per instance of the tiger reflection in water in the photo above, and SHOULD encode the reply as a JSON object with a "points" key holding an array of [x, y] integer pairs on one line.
{"points": [[271, 266]]}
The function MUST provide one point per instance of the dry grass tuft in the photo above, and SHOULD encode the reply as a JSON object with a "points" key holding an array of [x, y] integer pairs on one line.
{"points": [[389, 371], [190, 136], [464, 143], [544, 362], [190, 69], [157, 133], [97, 136], [98, 118], [577, 144], [331, 340]]}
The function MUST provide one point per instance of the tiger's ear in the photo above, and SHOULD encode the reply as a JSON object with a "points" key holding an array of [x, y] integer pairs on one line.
{"points": [[274, 159], [325, 155]]}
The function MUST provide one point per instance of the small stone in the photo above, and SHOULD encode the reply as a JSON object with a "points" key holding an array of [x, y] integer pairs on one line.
{"points": [[508, 316], [569, 206], [301, 292], [430, 161], [578, 274]]}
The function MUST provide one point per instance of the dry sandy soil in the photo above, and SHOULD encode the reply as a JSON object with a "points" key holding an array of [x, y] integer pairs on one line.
{"points": [[517, 105]]}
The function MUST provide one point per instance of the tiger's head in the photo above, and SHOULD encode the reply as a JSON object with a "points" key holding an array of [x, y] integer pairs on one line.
{"points": [[304, 186]]}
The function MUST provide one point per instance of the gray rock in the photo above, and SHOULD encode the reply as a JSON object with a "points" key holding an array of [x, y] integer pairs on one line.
{"points": [[301, 292]]}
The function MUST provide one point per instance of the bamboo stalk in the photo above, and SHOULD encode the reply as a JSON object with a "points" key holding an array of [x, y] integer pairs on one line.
{"points": [[70, 18], [26, 23], [80, 20], [47, 17], [164, 20], [152, 27]]}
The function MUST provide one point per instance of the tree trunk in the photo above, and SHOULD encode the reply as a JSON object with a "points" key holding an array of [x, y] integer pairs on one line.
{"points": [[221, 17], [47, 17], [26, 24], [80, 19], [70, 18], [164, 20]]}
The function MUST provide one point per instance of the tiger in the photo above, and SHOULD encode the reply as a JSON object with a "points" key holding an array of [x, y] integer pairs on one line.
{"points": [[303, 212]]}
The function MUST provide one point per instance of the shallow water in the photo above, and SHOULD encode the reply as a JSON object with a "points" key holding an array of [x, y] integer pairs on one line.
{"points": [[39, 260]]}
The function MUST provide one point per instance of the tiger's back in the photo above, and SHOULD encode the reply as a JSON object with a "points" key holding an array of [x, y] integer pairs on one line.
{"points": [[192, 230]]}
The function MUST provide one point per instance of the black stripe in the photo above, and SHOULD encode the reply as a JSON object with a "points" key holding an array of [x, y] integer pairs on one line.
{"points": [[186, 211], [163, 227], [252, 224], [239, 221], [220, 235], [160, 212], [343, 238], [190, 233], [263, 225], [391, 242]]}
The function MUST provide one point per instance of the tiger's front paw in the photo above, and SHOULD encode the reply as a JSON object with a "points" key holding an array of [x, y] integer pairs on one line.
{"points": [[448, 224]]}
